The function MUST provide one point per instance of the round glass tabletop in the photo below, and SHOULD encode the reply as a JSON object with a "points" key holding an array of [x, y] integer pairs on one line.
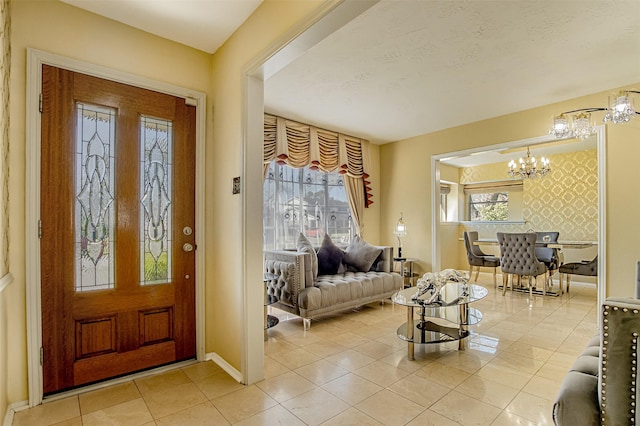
{"points": [[451, 294]]}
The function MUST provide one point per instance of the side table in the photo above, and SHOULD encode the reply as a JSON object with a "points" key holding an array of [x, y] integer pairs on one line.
{"points": [[408, 263]]}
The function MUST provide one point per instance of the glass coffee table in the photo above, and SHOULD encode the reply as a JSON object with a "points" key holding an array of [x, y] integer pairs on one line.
{"points": [[443, 321]]}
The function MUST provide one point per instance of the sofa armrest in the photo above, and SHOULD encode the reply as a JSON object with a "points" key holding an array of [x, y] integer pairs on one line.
{"points": [[618, 367], [285, 275], [384, 261]]}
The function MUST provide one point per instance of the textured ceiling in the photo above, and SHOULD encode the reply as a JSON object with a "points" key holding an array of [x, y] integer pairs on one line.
{"points": [[409, 67], [405, 68]]}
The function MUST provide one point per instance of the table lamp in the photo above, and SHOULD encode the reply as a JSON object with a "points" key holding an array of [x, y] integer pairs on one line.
{"points": [[400, 231]]}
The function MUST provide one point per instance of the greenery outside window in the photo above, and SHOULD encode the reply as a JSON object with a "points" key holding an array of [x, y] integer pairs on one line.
{"points": [[489, 207], [304, 200], [494, 201]]}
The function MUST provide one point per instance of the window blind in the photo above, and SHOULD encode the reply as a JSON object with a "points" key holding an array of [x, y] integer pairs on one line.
{"points": [[489, 187]]}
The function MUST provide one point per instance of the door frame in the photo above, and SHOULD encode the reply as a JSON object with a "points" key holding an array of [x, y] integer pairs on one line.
{"points": [[601, 140], [35, 60], [326, 19]]}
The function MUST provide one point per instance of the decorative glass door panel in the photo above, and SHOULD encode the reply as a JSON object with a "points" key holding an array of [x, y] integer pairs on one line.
{"points": [[95, 182], [155, 235]]}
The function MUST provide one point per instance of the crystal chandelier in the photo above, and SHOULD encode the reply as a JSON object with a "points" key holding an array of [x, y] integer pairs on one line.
{"points": [[620, 110], [621, 107], [528, 167]]}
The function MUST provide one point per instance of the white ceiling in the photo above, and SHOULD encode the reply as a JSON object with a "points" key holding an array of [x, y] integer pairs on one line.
{"points": [[202, 24], [504, 155], [405, 68], [409, 67]]}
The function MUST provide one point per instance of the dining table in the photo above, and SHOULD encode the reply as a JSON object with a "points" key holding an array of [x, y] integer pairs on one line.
{"points": [[557, 245]]}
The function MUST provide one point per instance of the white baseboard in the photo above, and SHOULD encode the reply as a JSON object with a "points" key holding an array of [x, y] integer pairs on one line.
{"points": [[228, 368], [8, 418], [12, 409], [5, 281]]}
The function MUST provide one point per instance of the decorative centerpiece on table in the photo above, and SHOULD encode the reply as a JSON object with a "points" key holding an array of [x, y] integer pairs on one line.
{"points": [[431, 283]]}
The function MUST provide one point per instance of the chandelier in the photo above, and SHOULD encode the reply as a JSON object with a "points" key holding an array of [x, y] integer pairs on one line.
{"points": [[528, 167], [579, 125]]}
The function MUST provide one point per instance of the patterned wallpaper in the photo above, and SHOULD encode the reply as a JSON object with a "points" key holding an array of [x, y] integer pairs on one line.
{"points": [[5, 62], [565, 200]]}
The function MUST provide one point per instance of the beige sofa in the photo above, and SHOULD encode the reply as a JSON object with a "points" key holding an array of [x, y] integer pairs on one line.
{"points": [[292, 288]]}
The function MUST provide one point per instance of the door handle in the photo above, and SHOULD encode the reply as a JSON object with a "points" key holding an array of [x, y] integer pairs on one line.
{"points": [[187, 247]]}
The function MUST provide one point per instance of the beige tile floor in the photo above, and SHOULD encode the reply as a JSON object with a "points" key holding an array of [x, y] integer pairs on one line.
{"points": [[351, 369]]}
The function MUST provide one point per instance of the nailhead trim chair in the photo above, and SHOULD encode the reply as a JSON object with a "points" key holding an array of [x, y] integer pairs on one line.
{"points": [[601, 385], [477, 257], [518, 257]]}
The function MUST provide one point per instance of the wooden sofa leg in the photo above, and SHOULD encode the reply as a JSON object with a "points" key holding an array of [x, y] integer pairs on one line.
{"points": [[306, 323]]}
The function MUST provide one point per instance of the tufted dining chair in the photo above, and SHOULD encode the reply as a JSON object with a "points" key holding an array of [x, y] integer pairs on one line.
{"points": [[477, 257], [518, 258], [587, 268], [551, 257]]}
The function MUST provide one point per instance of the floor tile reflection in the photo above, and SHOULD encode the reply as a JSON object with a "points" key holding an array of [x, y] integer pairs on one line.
{"points": [[352, 369]]}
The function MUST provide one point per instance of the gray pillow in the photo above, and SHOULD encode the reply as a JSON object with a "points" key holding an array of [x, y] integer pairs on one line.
{"points": [[361, 254], [329, 257], [305, 246]]}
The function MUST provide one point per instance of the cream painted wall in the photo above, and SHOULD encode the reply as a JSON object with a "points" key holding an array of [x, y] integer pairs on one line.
{"points": [[623, 205], [272, 20], [55, 27], [225, 263], [407, 164]]}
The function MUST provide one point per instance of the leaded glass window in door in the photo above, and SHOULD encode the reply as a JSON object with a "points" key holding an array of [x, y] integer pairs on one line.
{"points": [[94, 210], [155, 190]]}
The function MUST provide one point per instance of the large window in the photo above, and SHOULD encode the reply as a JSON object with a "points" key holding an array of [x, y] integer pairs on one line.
{"points": [[303, 200]]}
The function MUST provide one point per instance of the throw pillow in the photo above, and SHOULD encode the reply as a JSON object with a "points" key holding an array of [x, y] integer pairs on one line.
{"points": [[305, 246], [329, 257], [361, 254]]}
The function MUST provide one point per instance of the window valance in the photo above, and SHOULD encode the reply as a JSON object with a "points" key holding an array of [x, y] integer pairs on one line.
{"points": [[299, 145]]}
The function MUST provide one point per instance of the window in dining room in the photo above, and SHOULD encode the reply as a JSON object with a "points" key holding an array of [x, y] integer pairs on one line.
{"points": [[494, 201], [489, 207]]}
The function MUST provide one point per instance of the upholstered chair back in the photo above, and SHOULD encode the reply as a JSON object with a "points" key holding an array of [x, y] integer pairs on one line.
{"points": [[473, 237], [618, 362], [517, 254], [548, 255], [474, 259]]}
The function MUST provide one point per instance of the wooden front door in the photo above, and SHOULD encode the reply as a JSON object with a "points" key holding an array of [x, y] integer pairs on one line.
{"points": [[117, 233]]}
